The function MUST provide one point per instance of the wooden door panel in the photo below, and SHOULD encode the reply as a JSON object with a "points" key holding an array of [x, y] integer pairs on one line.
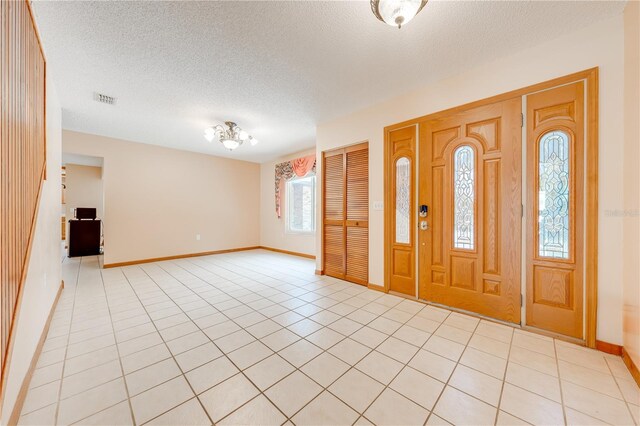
{"points": [[357, 223], [471, 179], [334, 261], [555, 209], [463, 272], [491, 202], [334, 187], [436, 201], [346, 213], [334, 214], [402, 263], [400, 223], [357, 255], [358, 185]]}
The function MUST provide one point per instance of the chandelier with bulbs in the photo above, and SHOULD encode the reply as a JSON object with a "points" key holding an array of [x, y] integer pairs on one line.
{"points": [[396, 12], [231, 137]]}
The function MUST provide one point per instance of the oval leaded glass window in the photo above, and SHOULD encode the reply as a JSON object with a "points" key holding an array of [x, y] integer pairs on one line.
{"points": [[403, 200], [464, 198], [553, 195]]}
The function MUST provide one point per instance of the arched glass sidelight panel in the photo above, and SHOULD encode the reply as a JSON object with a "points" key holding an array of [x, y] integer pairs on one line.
{"points": [[403, 200], [553, 195], [464, 198]]}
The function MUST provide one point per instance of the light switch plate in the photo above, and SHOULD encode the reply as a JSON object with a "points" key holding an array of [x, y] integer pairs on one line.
{"points": [[378, 205]]}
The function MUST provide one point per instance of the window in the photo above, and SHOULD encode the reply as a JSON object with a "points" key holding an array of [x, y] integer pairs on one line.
{"points": [[464, 198], [301, 204], [553, 195]]}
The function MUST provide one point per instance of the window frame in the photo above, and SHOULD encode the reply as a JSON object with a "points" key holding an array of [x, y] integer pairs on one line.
{"points": [[288, 215]]}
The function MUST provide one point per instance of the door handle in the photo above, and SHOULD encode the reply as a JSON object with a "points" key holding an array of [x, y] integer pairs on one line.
{"points": [[424, 225]]}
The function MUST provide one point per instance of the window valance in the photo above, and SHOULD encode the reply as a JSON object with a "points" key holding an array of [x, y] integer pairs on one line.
{"points": [[298, 167]]}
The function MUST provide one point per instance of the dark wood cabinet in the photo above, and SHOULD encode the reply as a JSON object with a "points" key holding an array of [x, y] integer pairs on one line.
{"points": [[84, 237]]}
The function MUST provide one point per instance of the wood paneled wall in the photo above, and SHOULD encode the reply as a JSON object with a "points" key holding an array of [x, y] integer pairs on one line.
{"points": [[22, 154]]}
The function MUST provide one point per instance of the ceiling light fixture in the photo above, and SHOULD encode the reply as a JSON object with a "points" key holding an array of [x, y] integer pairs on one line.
{"points": [[231, 137], [396, 12]]}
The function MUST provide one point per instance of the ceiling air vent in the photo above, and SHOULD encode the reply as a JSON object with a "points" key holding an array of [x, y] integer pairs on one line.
{"points": [[105, 99]]}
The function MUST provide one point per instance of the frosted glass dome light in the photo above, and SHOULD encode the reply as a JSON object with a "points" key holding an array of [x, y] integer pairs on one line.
{"points": [[396, 12]]}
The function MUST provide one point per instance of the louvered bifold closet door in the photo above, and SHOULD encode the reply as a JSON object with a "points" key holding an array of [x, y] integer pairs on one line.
{"points": [[334, 214], [346, 213], [357, 223]]}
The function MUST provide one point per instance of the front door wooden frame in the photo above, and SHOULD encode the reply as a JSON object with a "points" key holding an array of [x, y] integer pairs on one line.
{"points": [[591, 176]]}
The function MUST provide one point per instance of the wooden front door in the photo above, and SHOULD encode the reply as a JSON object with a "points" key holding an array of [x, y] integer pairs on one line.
{"points": [[555, 212], [470, 179], [346, 213], [401, 172]]}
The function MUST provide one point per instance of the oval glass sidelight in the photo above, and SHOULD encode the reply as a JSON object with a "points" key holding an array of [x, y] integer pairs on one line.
{"points": [[464, 198], [553, 195], [403, 200]]}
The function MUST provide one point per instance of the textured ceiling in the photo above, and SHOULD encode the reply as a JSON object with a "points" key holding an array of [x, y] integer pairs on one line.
{"points": [[277, 68]]}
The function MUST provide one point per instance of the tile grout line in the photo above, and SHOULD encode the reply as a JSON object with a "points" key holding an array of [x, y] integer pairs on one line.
{"points": [[444, 388], [225, 354], [261, 392], [557, 361], [64, 360], [165, 343], [504, 381], [124, 380], [624, 399], [238, 292], [282, 378], [371, 350]]}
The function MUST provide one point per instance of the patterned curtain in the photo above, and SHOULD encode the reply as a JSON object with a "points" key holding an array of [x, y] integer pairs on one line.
{"points": [[299, 167]]}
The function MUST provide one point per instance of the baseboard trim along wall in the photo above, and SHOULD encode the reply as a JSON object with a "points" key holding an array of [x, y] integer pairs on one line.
{"points": [[204, 253], [179, 256], [292, 253], [24, 388], [319, 272], [631, 366], [609, 348]]}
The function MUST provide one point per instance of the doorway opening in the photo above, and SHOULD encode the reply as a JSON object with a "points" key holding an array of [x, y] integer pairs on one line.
{"points": [[82, 205]]}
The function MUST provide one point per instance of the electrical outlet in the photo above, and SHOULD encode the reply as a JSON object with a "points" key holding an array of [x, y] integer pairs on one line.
{"points": [[197, 237], [378, 205]]}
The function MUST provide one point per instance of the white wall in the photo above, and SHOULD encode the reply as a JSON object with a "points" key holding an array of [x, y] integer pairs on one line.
{"points": [[600, 44], [631, 217], [44, 273], [156, 199], [273, 231]]}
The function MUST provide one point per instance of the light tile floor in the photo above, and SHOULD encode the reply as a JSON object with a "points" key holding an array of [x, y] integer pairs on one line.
{"points": [[257, 338]]}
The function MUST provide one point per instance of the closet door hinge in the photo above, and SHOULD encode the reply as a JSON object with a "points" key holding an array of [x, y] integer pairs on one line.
{"points": [[521, 120], [521, 300]]}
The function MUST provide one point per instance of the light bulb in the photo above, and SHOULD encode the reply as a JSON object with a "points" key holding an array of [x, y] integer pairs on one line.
{"points": [[209, 134], [253, 141]]}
